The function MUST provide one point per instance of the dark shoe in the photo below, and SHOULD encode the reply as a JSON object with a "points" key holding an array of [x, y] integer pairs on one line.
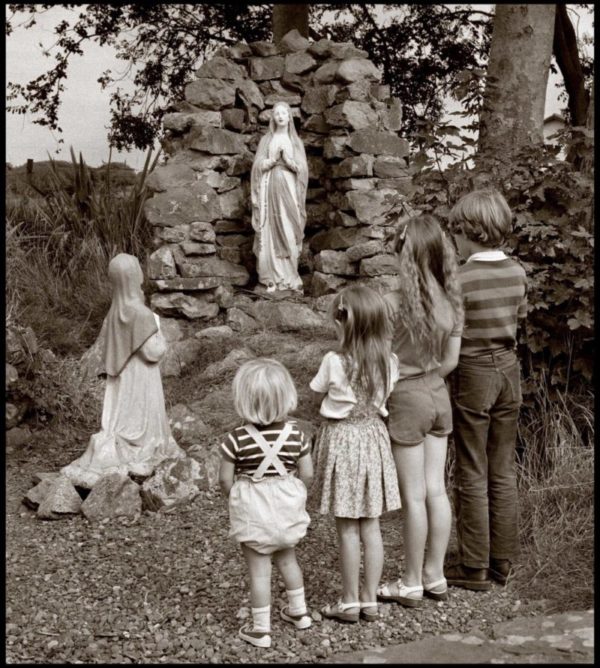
{"points": [[469, 578], [500, 570]]}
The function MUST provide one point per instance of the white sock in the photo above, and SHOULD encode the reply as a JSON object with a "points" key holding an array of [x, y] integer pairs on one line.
{"points": [[261, 619], [297, 604]]}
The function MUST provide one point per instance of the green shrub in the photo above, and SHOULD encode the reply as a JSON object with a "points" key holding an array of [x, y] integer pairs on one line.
{"points": [[553, 239]]}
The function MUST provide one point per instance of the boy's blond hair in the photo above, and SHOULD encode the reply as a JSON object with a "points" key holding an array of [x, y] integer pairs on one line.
{"points": [[263, 391], [482, 216]]}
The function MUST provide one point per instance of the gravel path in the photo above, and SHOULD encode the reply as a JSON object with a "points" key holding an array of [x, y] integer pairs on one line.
{"points": [[172, 587]]}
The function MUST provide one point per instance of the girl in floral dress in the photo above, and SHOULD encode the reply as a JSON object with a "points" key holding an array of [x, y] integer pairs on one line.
{"points": [[355, 476]]}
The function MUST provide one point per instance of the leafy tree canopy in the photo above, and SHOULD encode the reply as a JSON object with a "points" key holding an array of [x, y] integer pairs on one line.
{"points": [[422, 50]]}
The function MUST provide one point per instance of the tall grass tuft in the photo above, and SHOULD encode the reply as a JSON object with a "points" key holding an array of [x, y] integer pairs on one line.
{"points": [[58, 249], [556, 490]]}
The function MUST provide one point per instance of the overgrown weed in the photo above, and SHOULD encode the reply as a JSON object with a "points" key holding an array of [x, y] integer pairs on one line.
{"points": [[556, 488]]}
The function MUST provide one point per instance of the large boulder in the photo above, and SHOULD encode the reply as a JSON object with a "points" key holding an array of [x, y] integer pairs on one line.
{"points": [[174, 482], [113, 495], [299, 63], [250, 94], [293, 41]]}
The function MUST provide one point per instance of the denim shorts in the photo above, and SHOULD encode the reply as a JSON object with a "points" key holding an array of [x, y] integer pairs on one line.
{"points": [[418, 407]]}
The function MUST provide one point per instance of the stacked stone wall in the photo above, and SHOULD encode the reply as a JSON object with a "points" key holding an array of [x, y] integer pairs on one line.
{"points": [[201, 209]]}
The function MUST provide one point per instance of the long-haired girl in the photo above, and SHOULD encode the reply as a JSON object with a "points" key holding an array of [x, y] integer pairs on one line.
{"points": [[355, 478], [427, 316]]}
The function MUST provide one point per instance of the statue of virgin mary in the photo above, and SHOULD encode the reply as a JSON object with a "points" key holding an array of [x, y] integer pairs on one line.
{"points": [[279, 179]]}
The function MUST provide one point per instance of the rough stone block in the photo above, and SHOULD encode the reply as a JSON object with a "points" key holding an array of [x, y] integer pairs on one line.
{"points": [[216, 141], [380, 92], [346, 51], [378, 143], [240, 164], [240, 321], [186, 426], [233, 204], [325, 284], [161, 264], [336, 238], [240, 51], [354, 69], [250, 94], [61, 499], [228, 226], [316, 123], [378, 265], [321, 49], [233, 240], [299, 63], [270, 67], [218, 332], [293, 41], [228, 364], [192, 306], [175, 482], [364, 249], [169, 176], [200, 161], [194, 248], [389, 167], [393, 116], [213, 266], [183, 205], [357, 184], [352, 114], [344, 219], [293, 99], [359, 90], [287, 316], [370, 206], [335, 147], [113, 495], [326, 73], [295, 82], [230, 254], [264, 49], [234, 119], [203, 232], [360, 165], [318, 98], [188, 284], [179, 123], [221, 68], [334, 262], [210, 93]]}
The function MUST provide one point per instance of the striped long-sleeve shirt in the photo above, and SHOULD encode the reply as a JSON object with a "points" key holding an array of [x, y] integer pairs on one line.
{"points": [[495, 297]]}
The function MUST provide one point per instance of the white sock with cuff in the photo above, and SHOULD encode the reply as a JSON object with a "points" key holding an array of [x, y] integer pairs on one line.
{"points": [[261, 619], [296, 602]]}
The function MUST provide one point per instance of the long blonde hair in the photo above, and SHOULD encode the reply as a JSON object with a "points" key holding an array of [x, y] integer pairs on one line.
{"points": [[365, 335], [425, 257]]}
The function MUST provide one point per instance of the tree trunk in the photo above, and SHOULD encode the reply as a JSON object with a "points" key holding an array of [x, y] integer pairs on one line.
{"points": [[567, 59], [519, 63], [288, 17]]}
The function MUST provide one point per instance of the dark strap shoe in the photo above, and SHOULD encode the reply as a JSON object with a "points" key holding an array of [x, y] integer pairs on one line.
{"points": [[500, 570], [476, 579]]}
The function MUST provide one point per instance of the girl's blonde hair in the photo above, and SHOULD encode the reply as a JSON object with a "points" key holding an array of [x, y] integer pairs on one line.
{"points": [[365, 334], [482, 216], [263, 391], [425, 255]]}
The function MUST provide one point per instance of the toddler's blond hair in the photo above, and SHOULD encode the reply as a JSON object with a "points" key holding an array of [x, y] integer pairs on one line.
{"points": [[482, 216], [263, 391]]}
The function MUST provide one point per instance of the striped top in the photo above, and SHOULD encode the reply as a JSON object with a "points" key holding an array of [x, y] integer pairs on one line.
{"points": [[239, 448], [495, 296]]}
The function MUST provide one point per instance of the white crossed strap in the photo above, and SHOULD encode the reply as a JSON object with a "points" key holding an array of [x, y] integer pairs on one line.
{"points": [[270, 450]]}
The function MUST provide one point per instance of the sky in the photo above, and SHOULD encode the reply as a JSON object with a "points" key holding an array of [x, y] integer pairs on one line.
{"points": [[84, 114]]}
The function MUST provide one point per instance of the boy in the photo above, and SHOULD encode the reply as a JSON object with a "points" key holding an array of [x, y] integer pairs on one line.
{"points": [[486, 392]]}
